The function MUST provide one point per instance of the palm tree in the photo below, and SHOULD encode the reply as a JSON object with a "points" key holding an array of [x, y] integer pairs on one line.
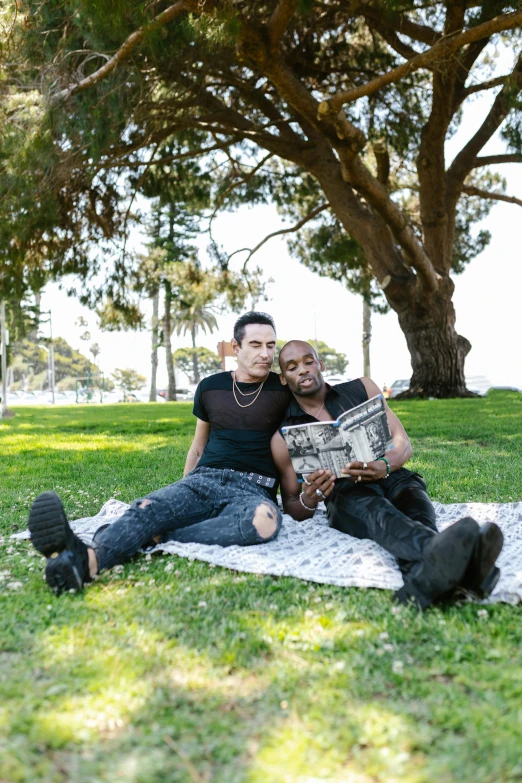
{"points": [[95, 350], [192, 316]]}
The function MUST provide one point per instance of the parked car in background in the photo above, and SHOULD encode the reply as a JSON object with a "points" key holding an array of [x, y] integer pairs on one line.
{"points": [[12, 398], [397, 387], [144, 396], [184, 395], [333, 379], [109, 398], [60, 398], [478, 384], [181, 394], [29, 398]]}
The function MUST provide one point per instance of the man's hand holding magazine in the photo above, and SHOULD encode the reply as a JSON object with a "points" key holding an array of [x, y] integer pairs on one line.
{"points": [[316, 487], [366, 471]]}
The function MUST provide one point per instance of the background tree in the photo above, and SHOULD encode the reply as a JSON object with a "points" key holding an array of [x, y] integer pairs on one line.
{"points": [[208, 361], [358, 99], [128, 379], [335, 362], [192, 317], [179, 195], [155, 336], [94, 350], [195, 309], [29, 364]]}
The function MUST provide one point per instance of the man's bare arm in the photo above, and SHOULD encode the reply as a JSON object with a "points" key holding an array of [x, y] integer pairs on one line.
{"points": [[198, 444], [397, 457], [290, 488]]}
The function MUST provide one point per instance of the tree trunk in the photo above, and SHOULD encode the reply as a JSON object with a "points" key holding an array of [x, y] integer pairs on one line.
{"points": [[154, 353], [167, 330], [195, 366], [437, 351], [427, 317], [366, 338]]}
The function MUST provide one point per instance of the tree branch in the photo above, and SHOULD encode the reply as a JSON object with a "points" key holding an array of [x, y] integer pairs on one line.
{"points": [[400, 23], [136, 164], [311, 215], [392, 39], [280, 20], [485, 85], [464, 161], [470, 190], [267, 107], [445, 47], [239, 182], [126, 48], [493, 160]]}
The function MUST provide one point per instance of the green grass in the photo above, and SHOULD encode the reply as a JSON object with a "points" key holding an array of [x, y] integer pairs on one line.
{"points": [[170, 670]]}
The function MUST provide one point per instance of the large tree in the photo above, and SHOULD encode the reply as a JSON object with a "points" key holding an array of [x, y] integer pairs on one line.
{"points": [[359, 96]]}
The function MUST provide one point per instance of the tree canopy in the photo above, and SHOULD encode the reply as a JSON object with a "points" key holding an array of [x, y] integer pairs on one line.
{"points": [[208, 361], [337, 112], [30, 364]]}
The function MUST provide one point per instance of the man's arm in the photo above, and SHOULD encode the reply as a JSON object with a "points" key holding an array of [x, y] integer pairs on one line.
{"points": [[198, 444], [290, 488], [397, 457]]}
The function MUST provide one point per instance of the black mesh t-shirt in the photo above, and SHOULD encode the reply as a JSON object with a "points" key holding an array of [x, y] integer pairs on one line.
{"points": [[240, 437]]}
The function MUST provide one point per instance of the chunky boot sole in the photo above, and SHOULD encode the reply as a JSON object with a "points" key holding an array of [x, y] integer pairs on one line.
{"points": [[489, 583], [482, 575], [446, 559], [50, 531], [62, 573], [68, 560]]}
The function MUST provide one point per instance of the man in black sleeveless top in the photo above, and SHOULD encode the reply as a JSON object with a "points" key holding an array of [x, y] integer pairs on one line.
{"points": [[228, 493], [381, 500]]}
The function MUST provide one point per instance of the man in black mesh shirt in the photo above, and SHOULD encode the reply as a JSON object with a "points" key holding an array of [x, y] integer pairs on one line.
{"points": [[228, 493]]}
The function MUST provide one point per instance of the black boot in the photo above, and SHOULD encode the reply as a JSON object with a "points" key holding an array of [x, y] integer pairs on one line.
{"points": [[68, 561], [482, 575], [445, 560]]}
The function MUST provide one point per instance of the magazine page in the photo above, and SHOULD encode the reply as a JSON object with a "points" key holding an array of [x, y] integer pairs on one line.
{"points": [[365, 430], [315, 446]]}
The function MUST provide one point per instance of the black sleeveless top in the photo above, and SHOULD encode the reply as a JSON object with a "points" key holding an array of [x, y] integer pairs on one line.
{"points": [[339, 398]]}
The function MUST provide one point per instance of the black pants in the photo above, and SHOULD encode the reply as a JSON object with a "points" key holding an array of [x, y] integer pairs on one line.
{"points": [[395, 512]]}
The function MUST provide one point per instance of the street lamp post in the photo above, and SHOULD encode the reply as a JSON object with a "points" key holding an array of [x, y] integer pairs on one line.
{"points": [[51, 349], [3, 340]]}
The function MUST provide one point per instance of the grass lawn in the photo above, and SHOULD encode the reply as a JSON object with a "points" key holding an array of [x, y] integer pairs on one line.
{"points": [[170, 670]]}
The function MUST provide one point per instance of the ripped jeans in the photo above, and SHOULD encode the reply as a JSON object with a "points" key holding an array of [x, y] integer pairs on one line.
{"points": [[208, 506]]}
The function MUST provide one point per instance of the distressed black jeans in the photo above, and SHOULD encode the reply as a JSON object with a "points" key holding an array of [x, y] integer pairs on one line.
{"points": [[395, 512], [208, 506]]}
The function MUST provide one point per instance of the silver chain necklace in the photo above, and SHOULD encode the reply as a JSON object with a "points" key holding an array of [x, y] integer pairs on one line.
{"points": [[315, 415], [257, 391]]}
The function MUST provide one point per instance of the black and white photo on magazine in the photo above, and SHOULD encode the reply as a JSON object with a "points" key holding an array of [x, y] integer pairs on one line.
{"points": [[361, 433], [366, 428]]}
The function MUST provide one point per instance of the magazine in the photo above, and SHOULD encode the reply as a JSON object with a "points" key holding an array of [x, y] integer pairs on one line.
{"points": [[361, 433]]}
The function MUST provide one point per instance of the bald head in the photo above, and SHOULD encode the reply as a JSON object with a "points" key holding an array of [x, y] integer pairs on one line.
{"points": [[295, 348], [301, 369]]}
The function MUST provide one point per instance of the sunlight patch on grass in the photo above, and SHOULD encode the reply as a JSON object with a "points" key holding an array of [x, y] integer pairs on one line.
{"points": [[373, 744], [88, 717], [180, 672], [20, 444]]}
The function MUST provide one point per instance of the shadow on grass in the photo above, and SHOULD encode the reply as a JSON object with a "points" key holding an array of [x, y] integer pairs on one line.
{"points": [[246, 679]]}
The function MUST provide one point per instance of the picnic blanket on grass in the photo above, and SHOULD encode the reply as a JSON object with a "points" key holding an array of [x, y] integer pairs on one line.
{"points": [[315, 552]]}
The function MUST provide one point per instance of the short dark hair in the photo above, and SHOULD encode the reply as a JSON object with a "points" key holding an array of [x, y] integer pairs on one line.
{"points": [[251, 318], [290, 343]]}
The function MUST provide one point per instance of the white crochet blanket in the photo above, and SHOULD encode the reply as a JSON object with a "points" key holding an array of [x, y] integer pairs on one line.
{"points": [[314, 552]]}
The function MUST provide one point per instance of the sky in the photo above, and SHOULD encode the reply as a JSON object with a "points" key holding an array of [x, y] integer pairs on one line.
{"points": [[487, 295]]}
